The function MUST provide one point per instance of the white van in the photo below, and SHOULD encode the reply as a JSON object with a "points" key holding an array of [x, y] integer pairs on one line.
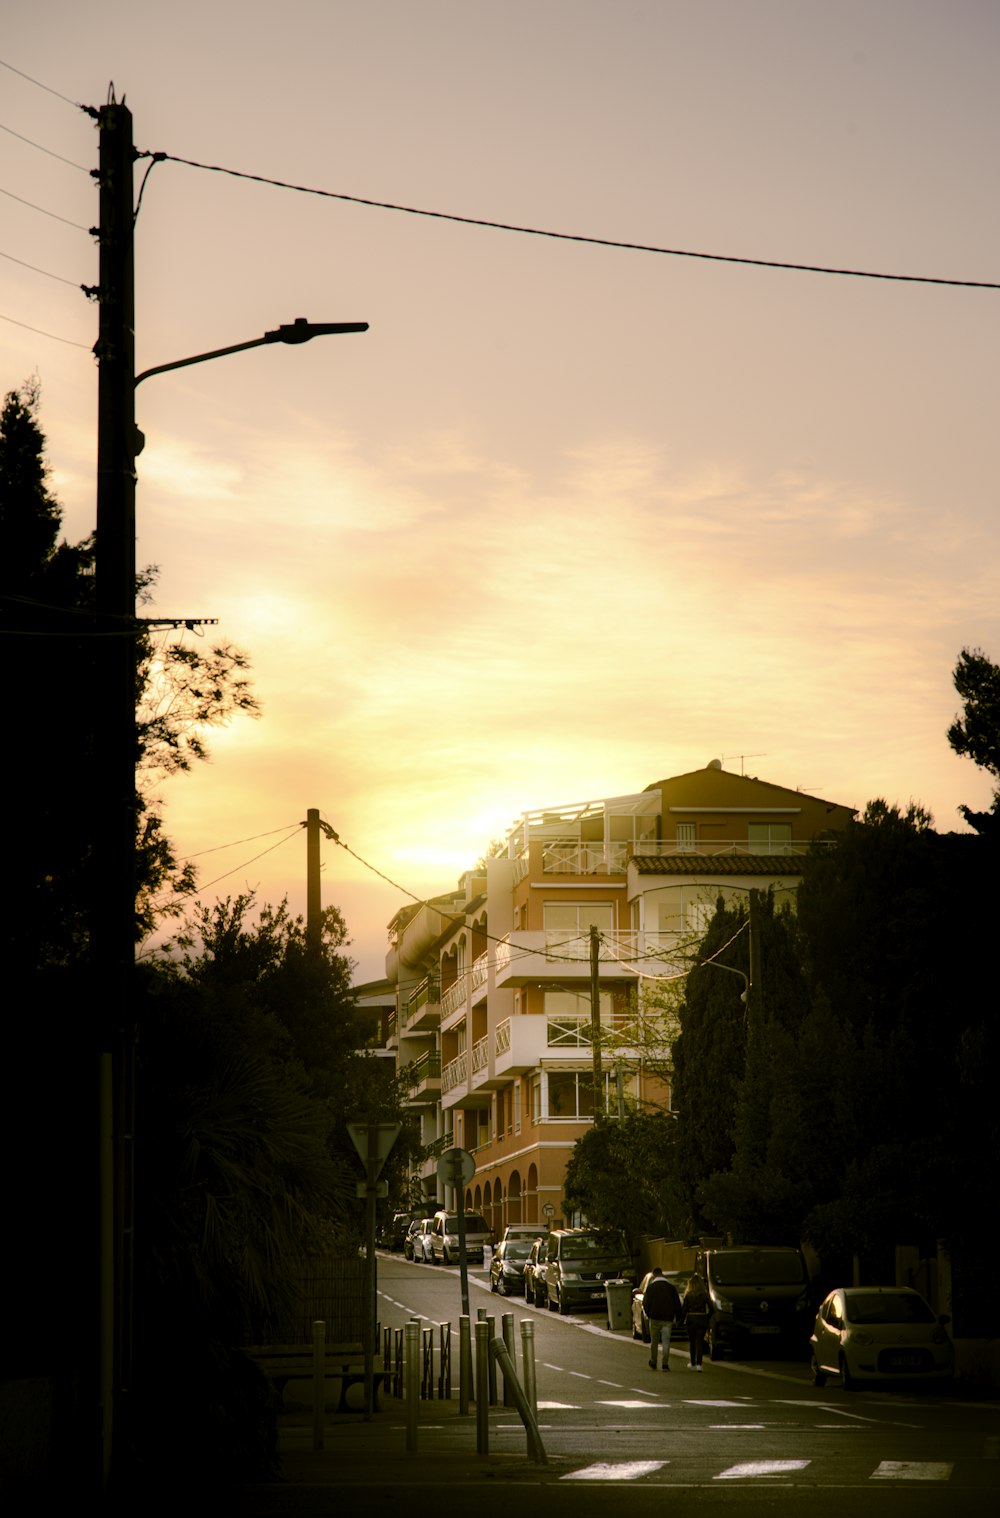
{"points": [[444, 1238]]}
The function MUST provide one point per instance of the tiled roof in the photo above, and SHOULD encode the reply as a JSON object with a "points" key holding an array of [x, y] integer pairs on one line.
{"points": [[718, 864]]}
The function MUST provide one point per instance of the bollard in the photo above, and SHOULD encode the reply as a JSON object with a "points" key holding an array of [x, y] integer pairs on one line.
{"points": [[507, 1328], [411, 1379], [319, 1380], [498, 1351], [528, 1365], [444, 1376], [491, 1324], [482, 1383], [464, 1364]]}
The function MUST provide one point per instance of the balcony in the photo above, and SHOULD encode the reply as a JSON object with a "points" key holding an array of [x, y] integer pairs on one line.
{"points": [[421, 1012], [522, 957], [424, 1075], [455, 997]]}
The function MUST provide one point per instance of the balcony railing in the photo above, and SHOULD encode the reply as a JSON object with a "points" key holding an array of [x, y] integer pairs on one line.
{"points": [[427, 1067], [455, 1073], [426, 994], [455, 995], [480, 1055]]}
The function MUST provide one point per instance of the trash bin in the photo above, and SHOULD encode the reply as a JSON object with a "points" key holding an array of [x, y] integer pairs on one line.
{"points": [[619, 1294]]}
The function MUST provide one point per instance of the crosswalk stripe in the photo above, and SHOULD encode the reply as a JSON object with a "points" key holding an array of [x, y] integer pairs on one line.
{"points": [[913, 1470], [606, 1470], [761, 1468]]}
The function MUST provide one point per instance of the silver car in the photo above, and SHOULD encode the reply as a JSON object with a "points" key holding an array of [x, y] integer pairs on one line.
{"points": [[880, 1333]]}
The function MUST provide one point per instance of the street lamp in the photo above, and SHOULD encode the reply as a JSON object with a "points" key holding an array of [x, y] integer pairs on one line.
{"points": [[298, 331]]}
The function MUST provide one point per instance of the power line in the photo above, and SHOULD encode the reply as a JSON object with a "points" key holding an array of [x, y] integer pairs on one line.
{"points": [[43, 212], [41, 333], [47, 151], [38, 83], [600, 242], [74, 284]]}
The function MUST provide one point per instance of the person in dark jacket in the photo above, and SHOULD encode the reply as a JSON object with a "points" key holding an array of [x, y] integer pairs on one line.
{"points": [[662, 1307], [695, 1306]]}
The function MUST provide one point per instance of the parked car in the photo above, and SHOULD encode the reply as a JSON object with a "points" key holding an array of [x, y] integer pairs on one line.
{"points": [[880, 1333], [507, 1266], [394, 1235], [534, 1273], [444, 1237], [640, 1323], [408, 1240], [420, 1242], [578, 1263], [758, 1296], [529, 1231]]}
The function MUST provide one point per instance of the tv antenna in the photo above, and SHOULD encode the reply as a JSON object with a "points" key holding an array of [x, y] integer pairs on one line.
{"points": [[741, 758]]}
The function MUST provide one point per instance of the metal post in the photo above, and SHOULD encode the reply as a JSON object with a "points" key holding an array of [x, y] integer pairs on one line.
{"points": [[507, 1329], [595, 1019], [528, 1365], [464, 1362], [536, 1450], [319, 1381], [491, 1324], [411, 1382], [482, 1382]]}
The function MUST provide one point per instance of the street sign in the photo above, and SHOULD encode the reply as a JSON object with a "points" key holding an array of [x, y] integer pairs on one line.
{"points": [[456, 1167], [384, 1135]]}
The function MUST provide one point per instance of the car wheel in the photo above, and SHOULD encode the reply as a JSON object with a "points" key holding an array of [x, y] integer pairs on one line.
{"points": [[645, 1333], [714, 1347], [446, 1258], [847, 1380], [818, 1376], [563, 1309], [550, 1300], [635, 1332]]}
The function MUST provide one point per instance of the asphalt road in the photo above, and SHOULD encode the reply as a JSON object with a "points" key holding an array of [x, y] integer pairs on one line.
{"points": [[754, 1435]]}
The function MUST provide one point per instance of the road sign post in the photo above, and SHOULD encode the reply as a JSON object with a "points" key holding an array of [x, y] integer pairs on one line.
{"points": [[373, 1142], [456, 1167]]}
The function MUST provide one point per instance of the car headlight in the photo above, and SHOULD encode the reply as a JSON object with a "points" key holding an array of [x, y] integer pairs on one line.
{"points": [[571, 1275], [722, 1303], [939, 1336], [860, 1339]]}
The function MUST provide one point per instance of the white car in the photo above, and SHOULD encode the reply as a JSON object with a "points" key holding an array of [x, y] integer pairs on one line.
{"points": [[880, 1333], [420, 1241]]}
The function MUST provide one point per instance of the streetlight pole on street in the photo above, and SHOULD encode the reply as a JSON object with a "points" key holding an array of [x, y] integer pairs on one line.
{"points": [[112, 951]]}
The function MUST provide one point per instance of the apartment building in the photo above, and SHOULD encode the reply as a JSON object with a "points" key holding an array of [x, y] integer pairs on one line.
{"points": [[586, 906]]}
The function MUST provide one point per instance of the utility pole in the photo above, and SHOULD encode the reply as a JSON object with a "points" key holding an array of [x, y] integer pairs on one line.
{"points": [[114, 743], [595, 1019], [314, 895]]}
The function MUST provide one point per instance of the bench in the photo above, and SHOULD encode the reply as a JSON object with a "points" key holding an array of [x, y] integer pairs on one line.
{"points": [[282, 1363]]}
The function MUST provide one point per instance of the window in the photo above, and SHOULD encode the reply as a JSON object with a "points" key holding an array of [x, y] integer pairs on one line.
{"points": [[567, 923], [517, 1106], [687, 837], [536, 1099], [571, 1094], [769, 837]]}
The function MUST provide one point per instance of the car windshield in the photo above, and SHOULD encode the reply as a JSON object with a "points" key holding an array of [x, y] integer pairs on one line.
{"points": [[517, 1249], [473, 1223], [759, 1267], [888, 1307], [591, 1244]]}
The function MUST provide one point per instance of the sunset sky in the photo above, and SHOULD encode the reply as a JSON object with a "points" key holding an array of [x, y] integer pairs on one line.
{"points": [[569, 518]]}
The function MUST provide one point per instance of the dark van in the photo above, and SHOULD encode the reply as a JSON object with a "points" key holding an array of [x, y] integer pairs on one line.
{"points": [[758, 1298]]}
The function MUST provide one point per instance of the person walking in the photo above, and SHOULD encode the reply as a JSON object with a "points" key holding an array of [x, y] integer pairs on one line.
{"points": [[661, 1305], [695, 1306]]}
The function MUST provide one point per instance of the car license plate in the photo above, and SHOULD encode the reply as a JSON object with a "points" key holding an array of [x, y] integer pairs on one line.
{"points": [[902, 1361], [765, 1328]]}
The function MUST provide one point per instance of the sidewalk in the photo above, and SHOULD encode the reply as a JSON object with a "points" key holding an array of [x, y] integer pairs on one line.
{"points": [[360, 1452]]}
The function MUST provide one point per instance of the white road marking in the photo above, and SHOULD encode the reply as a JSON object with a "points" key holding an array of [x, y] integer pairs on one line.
{"points": [[567, 1406], [913, 1470], [701, 1402], [623, 1402], [761, 1468], [628, 1470], [616, 1384]]}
